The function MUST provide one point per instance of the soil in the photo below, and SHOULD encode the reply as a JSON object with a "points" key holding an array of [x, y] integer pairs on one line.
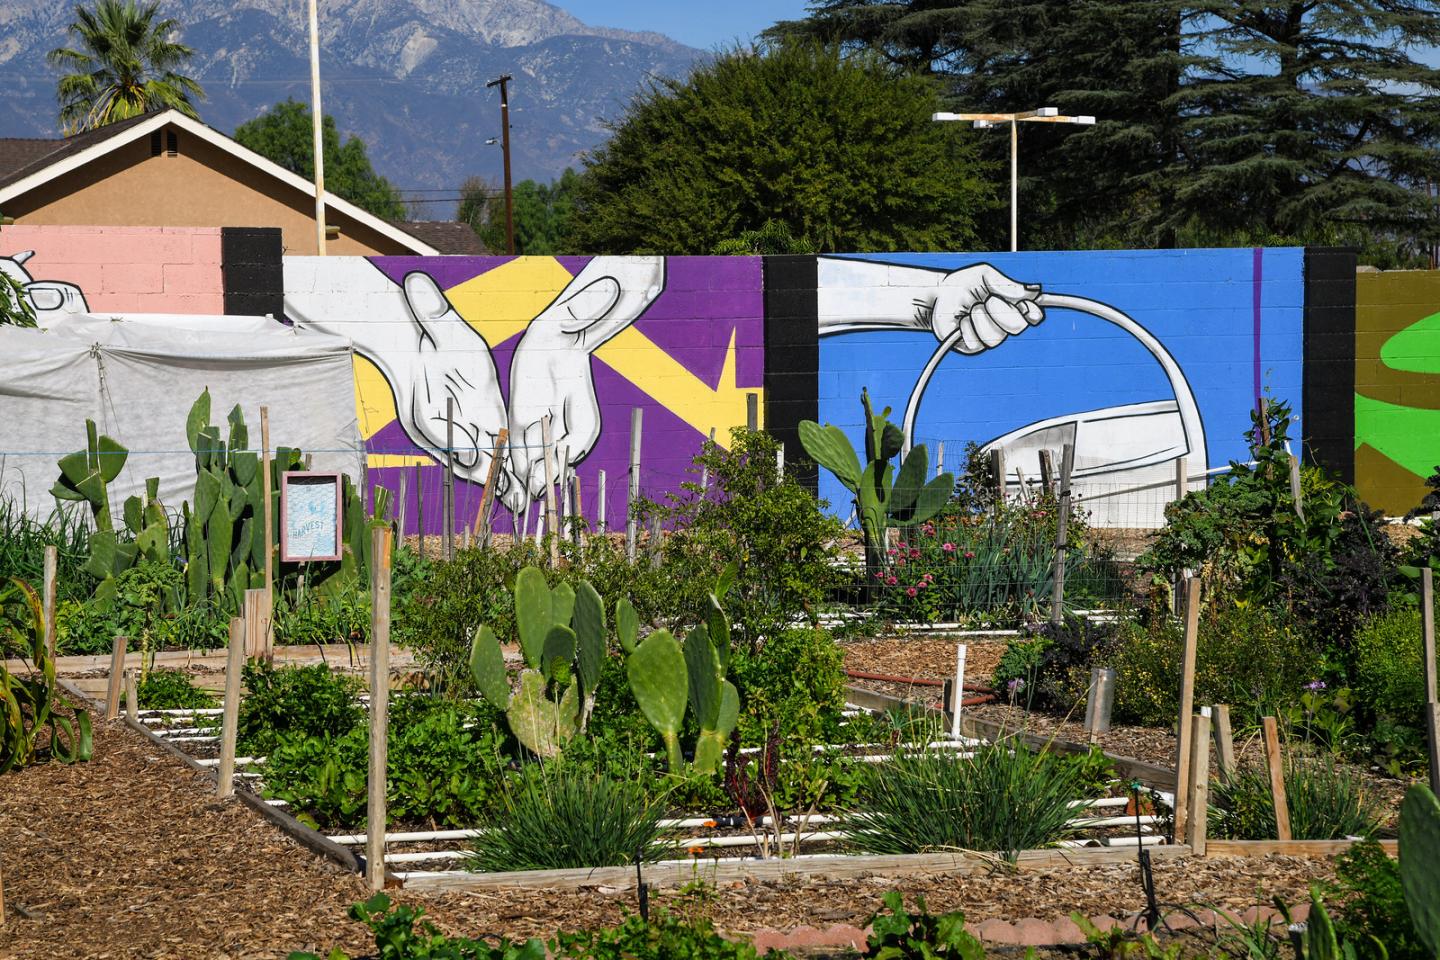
{"points": [[131, 855]]}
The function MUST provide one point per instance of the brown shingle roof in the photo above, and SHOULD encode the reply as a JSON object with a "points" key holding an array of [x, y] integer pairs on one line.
{"points": [[20, 157], [446, 236]]}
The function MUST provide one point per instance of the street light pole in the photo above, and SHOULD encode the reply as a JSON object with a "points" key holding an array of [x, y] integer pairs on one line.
{"points": [[986, 120], [501, 82], [316, 128]]}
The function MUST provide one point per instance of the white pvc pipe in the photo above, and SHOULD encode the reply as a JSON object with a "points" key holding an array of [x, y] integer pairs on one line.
{"points": [[239, 762], [184, 711]]}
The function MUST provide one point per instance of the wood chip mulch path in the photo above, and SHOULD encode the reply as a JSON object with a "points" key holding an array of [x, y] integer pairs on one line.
{"points": [[130, 855]]}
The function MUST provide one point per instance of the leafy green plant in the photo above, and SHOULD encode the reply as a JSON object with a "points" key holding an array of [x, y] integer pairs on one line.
{"points": [[396, 937], [903, 935], [31, 705], [1004, 799], [1389, 684], [23, 540], [563, 814], [663, 937], [1325, 801], [171, 690], [795, 682], [1367, 885], [883, 498], [304, 701], [1118, 943]]}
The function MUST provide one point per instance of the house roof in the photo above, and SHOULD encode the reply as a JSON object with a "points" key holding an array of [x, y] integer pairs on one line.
{"points": [[446, 236], [25, 165]]}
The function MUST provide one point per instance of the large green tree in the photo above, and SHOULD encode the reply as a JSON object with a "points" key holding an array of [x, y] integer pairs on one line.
{"points": [[125, 62], [542, 212], [284, 134], [838, 149], [1220, 120]]}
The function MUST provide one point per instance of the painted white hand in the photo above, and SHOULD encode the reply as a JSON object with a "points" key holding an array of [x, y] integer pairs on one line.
{"points": [[550, 373], [423, 347], [986, 306]]}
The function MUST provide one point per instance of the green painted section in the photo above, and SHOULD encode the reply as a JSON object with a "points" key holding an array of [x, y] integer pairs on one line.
{"points": [[1416, 349], [1408, 436]]}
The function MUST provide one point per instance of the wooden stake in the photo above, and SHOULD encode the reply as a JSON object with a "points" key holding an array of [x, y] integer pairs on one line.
{"points": [[656, 540], [117, 669], [255, 623], [379, 707], [1187, 704], [552, 518], [1224, 741], [2, 897], [1199, 801], [631, 532], [997, 474], [1427, 621], [1062, 523], [752, 412], [487, 496], [578, 509], [939, 458], [1102, 698], [1277, 778], [1047, 471], [600, 502], [230, 719], [403, 513], [1182, 478], [52, 560], [705, 468], [269, 521], [1263, 405], [1295, 487], [419, 511], [448, 492], [132, 695]]}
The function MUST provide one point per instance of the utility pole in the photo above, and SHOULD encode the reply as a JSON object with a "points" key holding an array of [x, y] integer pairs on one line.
{"points": [[317, 126], [501, 82]]}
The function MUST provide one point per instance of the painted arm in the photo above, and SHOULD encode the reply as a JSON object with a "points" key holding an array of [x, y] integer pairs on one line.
{"points": [[982, 303]]}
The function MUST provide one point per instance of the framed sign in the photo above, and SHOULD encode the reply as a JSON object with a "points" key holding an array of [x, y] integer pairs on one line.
{"points": [[310, 517]]}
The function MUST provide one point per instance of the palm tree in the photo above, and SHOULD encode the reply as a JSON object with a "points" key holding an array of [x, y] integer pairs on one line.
{"points": [[124, 64]]}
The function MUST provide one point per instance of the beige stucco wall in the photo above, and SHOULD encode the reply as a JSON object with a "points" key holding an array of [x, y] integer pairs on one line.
{"points": [[200, 187]]}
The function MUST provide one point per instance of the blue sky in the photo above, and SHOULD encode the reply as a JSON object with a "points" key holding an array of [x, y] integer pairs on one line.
{"points": [[703, 25]]}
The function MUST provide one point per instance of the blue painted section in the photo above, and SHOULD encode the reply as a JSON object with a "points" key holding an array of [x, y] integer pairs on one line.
{"points": [[1199, 303]]}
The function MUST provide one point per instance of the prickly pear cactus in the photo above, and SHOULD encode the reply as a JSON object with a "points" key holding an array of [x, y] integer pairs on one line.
{"points": [[1420, 862], [659, 681], [541, 724], [882, 498]]}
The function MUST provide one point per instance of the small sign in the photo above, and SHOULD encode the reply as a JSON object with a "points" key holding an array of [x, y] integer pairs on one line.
{"points": [[310, 517]]}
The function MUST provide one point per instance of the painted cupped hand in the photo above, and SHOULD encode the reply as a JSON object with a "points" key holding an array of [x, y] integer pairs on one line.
{"points": [[985, 305]]}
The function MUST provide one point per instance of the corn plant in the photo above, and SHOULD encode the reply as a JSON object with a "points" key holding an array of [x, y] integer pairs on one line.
{"points": [[30, 705]]}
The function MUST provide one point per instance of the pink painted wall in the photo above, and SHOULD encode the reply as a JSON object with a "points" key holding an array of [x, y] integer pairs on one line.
{"points": [[127, 269]]}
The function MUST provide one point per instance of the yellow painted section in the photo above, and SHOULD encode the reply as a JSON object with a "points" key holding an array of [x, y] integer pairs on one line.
{"points": [[500, 303], [636, 358], [399, 460], [374, 401]]}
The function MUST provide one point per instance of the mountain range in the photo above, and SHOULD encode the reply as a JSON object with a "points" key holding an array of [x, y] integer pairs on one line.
{"points": [[406, 76]]}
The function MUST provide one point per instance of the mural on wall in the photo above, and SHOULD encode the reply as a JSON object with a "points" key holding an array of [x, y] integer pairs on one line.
{"points": [[48, 300], [1137, 358], [509, 341], [1397, 387]]}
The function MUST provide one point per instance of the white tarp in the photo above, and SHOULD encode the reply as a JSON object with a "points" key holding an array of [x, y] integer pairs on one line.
{"points": [[137, 376]]}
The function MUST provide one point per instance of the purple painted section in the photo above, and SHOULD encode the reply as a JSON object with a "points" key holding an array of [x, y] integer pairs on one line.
{"points": [[705, 301], [1257, 285]]}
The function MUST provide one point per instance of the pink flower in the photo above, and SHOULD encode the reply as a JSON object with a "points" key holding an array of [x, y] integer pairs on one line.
{"points": [[914, 554], [879, 575], [903, 545], [891, 581], [899, 561], [929, 577], [922, 584], [891, 552], [910, 592], [969, 554], [948, 547]]}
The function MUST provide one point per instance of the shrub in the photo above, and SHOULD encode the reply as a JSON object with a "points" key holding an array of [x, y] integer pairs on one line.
{"points": [[1325, 801], [1005, 799], [1367, 883], [1246, 656], [294, 701], [772, 527], [564, 814], [1389, 677], [171, 690], [796, 680], [1052, 661]]}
